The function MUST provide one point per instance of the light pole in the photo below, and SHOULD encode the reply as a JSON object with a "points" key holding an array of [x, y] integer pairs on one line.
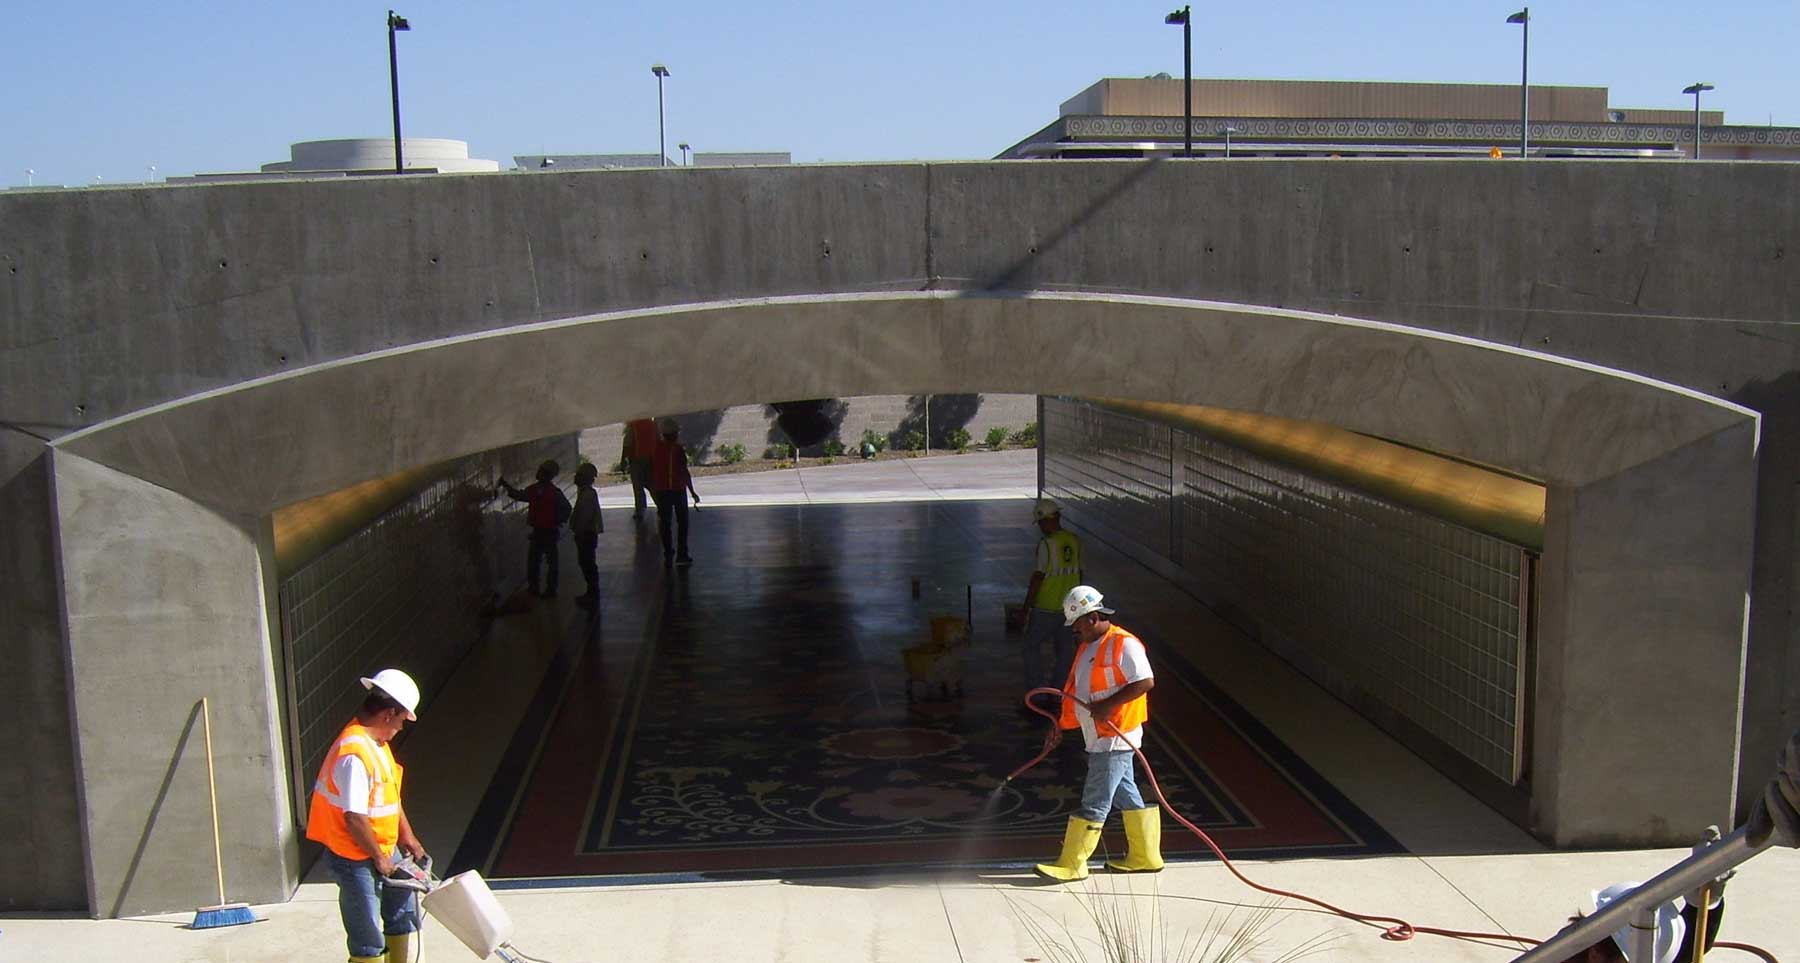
{"points": [[684, 153], [395, 24], [1227, 132], [1523, 19], [29, 174], [152, 170], [1697, 90], [662, 149], [1184, 16]]}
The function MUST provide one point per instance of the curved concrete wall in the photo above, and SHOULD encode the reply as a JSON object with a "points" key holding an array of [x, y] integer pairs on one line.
{"points": [[114, 302]]}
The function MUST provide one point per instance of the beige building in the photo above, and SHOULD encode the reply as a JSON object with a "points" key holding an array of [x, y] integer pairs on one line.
{"points": [[1133, 117]]}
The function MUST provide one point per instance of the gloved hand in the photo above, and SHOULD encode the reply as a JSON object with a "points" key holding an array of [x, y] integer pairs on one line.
{"points": [[1777, 814], [1715, 889]]}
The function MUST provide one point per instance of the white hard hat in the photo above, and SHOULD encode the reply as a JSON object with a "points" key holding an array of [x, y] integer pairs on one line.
{"points": [[1045, 509], [1081, 600], [1671, 929], [400, 687]]}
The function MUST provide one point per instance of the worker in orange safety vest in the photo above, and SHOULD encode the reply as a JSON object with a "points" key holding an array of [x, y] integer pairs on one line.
{"points": [[356, 813], [1110, 673]]}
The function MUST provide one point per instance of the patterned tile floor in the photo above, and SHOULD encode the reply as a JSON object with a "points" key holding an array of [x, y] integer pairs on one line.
{"points": [[752, 715]]}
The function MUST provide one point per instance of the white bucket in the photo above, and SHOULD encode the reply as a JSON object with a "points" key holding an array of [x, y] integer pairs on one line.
{"points": [[467, 908]]}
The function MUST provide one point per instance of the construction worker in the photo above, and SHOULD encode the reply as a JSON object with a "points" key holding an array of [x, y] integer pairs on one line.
{"points": [[668, 476], [1111, 674], [639, 445], [587, 525], [356, 813], [546, 509], [1056, 571]]}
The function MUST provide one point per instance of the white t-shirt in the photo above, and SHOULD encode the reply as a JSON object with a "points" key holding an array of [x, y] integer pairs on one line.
{"points": [[1135, 663], [352, 779]]}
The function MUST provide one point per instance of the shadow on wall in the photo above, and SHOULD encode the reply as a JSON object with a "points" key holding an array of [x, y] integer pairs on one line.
{"points": [[948, 413], [807, 425], [698, 430]]}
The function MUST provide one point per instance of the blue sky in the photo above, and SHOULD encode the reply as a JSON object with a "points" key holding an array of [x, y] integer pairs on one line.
{"points": [[109, 88]]}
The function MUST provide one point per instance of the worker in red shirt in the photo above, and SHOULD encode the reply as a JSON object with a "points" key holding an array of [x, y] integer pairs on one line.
{"points": [[668, 476]]}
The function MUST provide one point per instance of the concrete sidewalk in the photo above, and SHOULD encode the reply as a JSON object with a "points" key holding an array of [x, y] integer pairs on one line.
{"points": [[975, 916], [1000, 474], [1467, 868]]}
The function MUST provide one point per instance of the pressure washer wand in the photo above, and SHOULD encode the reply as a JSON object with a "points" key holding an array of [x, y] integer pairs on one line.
{"points": [[1034, 760]]}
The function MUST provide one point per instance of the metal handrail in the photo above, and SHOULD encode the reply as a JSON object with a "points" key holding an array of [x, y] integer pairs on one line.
{"points": [[1683, 877]]}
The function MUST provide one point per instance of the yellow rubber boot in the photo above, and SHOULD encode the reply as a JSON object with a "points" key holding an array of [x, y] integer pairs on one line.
{"points": [[1143, 842], [399, 948], [1079, 841]]}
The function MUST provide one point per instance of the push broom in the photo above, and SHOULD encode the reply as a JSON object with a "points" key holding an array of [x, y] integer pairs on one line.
{"points": [[224, 914]]}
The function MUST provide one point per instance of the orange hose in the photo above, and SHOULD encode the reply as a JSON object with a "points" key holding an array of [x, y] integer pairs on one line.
{"points": [[1400, 930]]}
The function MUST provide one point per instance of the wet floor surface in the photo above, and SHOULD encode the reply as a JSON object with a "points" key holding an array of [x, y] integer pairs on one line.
{"points": [[758, 713]]}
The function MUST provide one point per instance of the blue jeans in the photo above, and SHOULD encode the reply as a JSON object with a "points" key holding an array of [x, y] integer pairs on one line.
{"points": [[370, 909], [1111, 783]]}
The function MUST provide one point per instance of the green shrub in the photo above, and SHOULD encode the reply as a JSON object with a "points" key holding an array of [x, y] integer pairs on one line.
{"points": [[958, 439], [1026, 436], [996, 436], [834, 448], [873, 440], [731, 454], [913, 441]]}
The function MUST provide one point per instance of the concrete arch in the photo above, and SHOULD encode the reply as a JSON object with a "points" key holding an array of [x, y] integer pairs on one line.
{"points": [[275, 440], [183, 491]]}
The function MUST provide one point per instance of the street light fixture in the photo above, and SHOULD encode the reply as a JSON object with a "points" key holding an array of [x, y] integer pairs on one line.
{"points": [[29, 174], [684, 153], [1697, 90], [1523, 19], [152, 170], [1227, 132], [394, 25], [662, 149], [1184, 17]]}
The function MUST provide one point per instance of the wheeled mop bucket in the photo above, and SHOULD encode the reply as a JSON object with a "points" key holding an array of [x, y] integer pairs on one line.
{"points": [[938, 662]]}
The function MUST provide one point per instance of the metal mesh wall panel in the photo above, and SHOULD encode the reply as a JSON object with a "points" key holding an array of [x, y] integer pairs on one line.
{"points": [[1388, 603], [1115, 466]]}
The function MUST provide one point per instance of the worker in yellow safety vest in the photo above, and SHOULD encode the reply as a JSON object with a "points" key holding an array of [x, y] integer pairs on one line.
{"points": [[1056, 570], [1111, 674], [356, 813]]}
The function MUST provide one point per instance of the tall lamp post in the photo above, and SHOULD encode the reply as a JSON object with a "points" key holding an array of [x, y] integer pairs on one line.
{"points": [[1227, 132], [30, 174], [684, 153], [1184, 16], [1523, 19], [1697, 90], [395, 24], [662, 150]]}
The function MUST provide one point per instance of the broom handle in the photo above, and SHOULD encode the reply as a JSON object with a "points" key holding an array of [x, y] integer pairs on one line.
{"points": [[212, 795]]}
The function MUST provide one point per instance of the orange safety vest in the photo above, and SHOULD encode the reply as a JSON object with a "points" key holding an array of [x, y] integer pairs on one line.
{"points": [[325, 822], [668, 468], [1107, 674], [642, 434]]}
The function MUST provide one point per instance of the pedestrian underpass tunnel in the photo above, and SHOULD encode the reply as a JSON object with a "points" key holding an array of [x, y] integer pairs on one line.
{"points": [[1509, 668]]}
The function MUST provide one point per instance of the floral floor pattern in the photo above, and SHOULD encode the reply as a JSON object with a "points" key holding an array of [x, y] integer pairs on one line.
{"points": [[761, 723]]}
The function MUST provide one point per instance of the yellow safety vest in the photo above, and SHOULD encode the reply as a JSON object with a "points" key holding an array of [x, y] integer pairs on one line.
{"points": [[1107, 674], [1064, 572], [325, 820]]}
